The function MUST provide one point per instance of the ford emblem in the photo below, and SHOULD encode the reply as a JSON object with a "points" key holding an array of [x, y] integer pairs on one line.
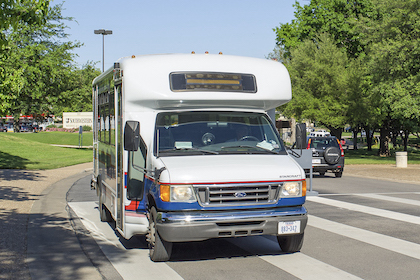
{"points": [[240, 194]]}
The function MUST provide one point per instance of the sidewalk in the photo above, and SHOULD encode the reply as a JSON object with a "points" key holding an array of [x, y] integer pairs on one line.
{"points": [[72, 146], [19, 189], [411, 174]]}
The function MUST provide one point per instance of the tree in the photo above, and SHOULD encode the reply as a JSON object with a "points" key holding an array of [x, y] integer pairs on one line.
{"points": [[78, 96], [38, 67], [339, 19], [393, 44], [336, 17], [381, 39], [320, 82]]}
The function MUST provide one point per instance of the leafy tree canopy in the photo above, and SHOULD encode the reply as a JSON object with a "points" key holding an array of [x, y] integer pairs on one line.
{"points": [[14, 12], [39, 74], [78, 96], [393, 42], [320, 82], [336, 17], [382, 43]]}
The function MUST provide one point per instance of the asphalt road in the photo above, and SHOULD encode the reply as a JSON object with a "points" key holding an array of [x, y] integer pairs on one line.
{"points": [[358, 229]]}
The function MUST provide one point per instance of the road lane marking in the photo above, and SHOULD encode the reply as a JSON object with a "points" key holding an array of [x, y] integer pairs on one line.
{"points": [[269, 251], [367, 210], [122, 259], [380, 240], [383, 193], [391, 199], [313, 268]]}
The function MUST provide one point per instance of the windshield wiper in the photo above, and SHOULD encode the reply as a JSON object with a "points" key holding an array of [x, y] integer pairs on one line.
{"points": [[191, 149], [250, 147]]}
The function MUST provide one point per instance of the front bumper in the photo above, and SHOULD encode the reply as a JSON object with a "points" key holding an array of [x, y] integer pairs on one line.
{"points": [[197, 226], [327, 167], [324, 166]]}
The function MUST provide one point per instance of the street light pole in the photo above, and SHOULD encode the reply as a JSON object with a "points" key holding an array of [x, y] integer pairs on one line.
{"points": [[103, 32]]}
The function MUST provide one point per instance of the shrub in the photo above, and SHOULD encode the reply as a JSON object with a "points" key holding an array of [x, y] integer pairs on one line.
{"points": [[86, 128], [61, 129]]}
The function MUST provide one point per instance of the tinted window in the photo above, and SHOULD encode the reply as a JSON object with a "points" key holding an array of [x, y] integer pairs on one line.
{"points": [[215, 133], [323, 142]]}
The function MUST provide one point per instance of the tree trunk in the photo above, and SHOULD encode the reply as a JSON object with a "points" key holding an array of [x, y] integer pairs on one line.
{"points": [[405, 139], [394, 136], [16, 126], [384, 143], [355, 132], [336, 132], [369, 138]]}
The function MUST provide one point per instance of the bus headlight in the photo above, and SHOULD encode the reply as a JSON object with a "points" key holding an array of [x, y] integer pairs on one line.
{"points": [[293, 189], [183, 193]]}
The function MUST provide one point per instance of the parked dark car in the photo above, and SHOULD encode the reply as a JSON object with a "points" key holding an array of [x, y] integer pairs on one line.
{"points": [[3, 128], [327, 155]]}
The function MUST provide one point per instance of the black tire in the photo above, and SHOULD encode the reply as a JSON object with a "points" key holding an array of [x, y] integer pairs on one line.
{"points": [[339, 174], [332, 155], [322, 174], [291, 243], [104, 214], [159, 249]]}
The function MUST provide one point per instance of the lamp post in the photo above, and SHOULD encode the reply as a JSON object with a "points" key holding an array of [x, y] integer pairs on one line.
{"points": [[103, 32]]}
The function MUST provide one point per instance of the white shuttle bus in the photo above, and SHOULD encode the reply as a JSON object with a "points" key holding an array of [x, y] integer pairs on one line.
{"points": [[184, 150]]}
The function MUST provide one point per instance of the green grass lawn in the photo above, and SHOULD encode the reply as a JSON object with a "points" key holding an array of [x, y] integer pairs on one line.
{"points": [[363, 156], [57, 137], [32, 150]]}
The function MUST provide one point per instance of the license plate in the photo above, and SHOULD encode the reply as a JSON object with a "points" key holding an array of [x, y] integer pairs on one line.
{"points": [[316, 160], [289, 227]]}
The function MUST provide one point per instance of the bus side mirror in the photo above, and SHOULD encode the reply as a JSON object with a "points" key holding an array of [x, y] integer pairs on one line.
{"points": [[301, 136], [131, 135]]}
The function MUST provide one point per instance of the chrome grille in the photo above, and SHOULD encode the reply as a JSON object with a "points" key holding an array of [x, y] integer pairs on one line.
{"points": [[237, 194]]}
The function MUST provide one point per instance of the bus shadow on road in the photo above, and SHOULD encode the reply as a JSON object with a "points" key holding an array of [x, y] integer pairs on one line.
{"points": [[224, 248]]}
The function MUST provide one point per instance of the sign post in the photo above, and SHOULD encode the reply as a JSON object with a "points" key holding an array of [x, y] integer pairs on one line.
{"points": [[80, 136]]}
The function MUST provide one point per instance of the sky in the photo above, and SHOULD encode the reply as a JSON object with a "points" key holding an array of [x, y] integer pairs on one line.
{"points": [[234, 27]]}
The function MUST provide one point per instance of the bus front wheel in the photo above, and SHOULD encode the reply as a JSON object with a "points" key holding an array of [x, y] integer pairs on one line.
{"points": [[159, 249]]}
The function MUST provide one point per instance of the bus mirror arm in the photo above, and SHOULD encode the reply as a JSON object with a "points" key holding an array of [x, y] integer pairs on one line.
{"points": [[154, 174], [157, 172], [293, 153]]}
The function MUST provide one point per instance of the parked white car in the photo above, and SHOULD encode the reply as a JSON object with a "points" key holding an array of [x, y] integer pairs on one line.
{"points": [[319, 133]]}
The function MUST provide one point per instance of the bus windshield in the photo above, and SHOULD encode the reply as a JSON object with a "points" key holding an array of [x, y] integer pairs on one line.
{"points": [[199, 133]]}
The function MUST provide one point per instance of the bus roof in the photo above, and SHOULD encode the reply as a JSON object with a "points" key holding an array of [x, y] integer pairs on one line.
{"points": [[171, 81]]}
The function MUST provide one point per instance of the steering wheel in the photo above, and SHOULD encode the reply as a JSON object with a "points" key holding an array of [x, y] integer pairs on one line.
{"points": [[249, 138], [208, 138]]}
